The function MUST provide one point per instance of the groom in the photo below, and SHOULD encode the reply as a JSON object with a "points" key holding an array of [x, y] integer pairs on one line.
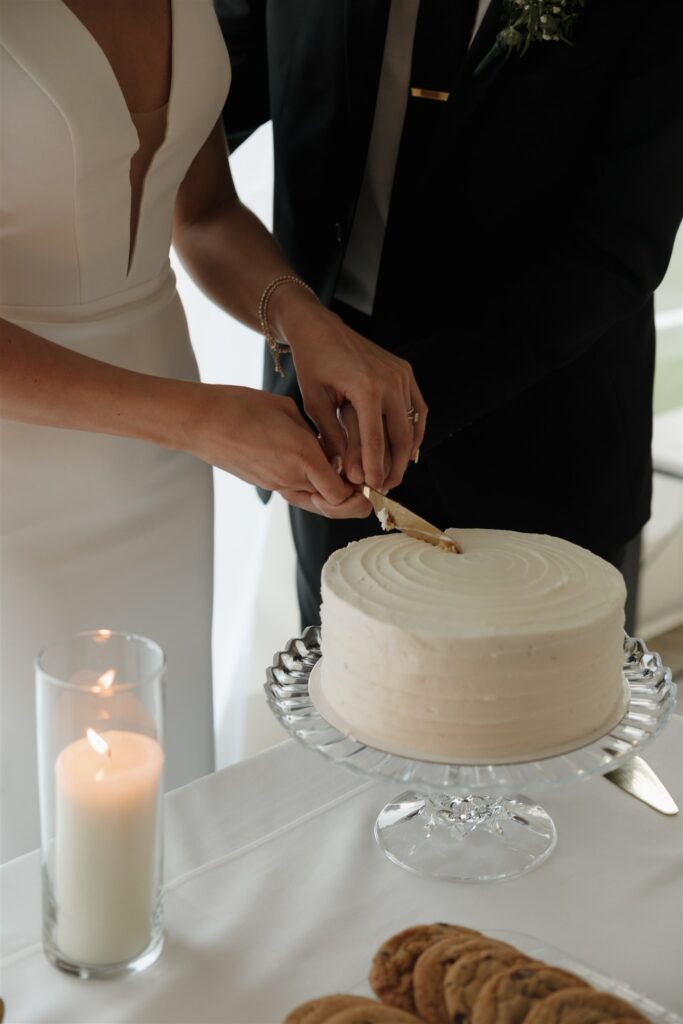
{"points": [[497, 205]]}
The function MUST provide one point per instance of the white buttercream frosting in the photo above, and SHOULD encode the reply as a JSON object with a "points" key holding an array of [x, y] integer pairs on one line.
{"points": [[510, 651]]}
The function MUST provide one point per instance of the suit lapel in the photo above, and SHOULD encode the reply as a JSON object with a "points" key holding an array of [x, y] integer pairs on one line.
{"points": [[470, 88], [484, 37]]}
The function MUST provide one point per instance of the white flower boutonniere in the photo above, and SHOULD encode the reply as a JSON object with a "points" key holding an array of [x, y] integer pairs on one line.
{"points": [[531, 21]]}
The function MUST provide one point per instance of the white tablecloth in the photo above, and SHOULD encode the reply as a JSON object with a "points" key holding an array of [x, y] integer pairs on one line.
{"points": [[277, 892]]}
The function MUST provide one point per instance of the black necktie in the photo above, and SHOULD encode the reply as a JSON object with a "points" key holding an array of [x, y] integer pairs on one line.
{"points": [[442, 37]]}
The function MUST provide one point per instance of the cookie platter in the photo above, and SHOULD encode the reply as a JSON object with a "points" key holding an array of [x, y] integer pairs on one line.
{"points": [[442, 972], [539, 950], [468, 823]]}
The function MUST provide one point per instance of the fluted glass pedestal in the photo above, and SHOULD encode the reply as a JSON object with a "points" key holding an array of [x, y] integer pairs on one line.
{"points": [[468, 823]]}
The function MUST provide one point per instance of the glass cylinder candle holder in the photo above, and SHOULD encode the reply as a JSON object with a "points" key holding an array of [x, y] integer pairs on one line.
{"points": [[100, 763]]}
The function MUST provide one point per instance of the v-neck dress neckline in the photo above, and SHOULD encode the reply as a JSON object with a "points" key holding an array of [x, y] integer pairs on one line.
{"points": [[61, 82], [149, 127]]}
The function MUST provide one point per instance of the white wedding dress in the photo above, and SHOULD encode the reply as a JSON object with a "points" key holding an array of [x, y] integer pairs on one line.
{"points": [[98, 531]]}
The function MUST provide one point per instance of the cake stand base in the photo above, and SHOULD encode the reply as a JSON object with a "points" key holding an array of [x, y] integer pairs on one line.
{"points": [[465, 838]]}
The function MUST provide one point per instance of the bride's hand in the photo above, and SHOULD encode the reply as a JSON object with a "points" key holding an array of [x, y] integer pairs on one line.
{"points": [[263, 439], [335, 365]]}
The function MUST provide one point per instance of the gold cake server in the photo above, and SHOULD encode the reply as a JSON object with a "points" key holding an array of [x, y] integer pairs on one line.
{"points": [[393, 516], [637, 779]]}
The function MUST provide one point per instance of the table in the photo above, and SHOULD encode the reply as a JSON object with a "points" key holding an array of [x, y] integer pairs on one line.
{"points": [[276, 892]]}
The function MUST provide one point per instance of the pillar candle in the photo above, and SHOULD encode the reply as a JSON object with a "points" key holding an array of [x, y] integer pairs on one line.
{"points": [[108, 790]]}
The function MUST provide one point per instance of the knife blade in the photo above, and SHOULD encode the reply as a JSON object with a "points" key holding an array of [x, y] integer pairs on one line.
{"points": [[638, 779], [393, 516]]}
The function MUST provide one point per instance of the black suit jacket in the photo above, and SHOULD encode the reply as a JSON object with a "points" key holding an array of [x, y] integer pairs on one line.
{"points": [[518, 270]]}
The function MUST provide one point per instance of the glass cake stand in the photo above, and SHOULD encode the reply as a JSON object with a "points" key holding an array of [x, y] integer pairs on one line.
{"points": [[469, 823]]}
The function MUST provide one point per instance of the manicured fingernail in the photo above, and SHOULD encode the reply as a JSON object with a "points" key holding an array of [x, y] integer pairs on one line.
{"points": [[338, 464], [416, 457], [356, 474]]}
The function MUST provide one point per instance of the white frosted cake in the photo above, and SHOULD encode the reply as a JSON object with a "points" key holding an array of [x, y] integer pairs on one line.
{"points": [[510, 651]]}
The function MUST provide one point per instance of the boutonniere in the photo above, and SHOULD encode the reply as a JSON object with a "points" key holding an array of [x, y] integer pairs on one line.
{"points": [[532, 21]]}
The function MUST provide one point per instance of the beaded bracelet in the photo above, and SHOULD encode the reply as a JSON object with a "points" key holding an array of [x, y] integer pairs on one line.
{"points": [[277, 347]]}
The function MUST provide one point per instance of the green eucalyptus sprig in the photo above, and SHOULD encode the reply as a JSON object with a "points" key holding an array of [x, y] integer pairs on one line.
{"points": [[532, 21]]}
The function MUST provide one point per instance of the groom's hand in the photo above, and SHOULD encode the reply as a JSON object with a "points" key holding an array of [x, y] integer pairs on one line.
{"points": [[340, 368], [335, 366], [352, 458]]}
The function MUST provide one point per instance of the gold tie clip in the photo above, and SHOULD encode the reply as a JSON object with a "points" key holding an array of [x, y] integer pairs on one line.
{"points": [[429, 94]]}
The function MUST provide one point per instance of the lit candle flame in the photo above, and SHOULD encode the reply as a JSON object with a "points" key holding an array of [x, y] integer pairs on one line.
{"points": [[98, 743], [107, 678]]}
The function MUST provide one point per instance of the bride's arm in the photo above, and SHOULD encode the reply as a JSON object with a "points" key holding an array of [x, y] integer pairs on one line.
{"points": [[233, 258], [50, 385], [260, 438]]}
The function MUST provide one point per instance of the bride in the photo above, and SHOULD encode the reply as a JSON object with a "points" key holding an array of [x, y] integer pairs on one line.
{"points": [[111, 148]]}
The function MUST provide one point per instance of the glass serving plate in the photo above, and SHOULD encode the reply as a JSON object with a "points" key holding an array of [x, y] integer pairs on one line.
{"points": [[539, 950], [469, 823]]}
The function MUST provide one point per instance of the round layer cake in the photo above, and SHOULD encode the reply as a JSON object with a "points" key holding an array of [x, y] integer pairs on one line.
{"points": [[510, 651]]}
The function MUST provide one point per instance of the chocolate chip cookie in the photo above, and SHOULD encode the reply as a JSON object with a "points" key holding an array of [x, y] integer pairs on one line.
{"points": [[582, 1006], [317, 1011], [508, 996], [376, 1012], [465, 979], [391, 974], [431, 968]]}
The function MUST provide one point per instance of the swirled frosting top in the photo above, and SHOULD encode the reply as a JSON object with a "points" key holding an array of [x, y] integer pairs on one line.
{"points": [[503, 583]]}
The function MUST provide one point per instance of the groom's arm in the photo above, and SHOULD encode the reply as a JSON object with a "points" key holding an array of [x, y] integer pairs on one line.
{"points": [[243, 24], [596, 266]]}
